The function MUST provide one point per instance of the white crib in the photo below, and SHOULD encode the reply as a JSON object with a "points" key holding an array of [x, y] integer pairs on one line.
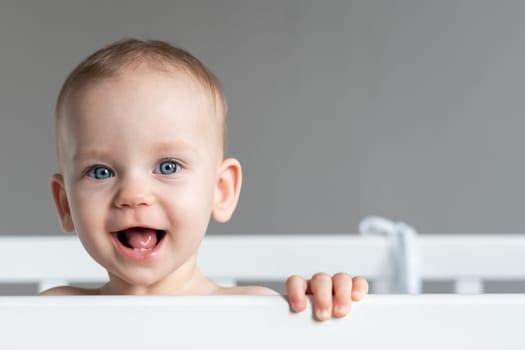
{"points": [[401, 321]]}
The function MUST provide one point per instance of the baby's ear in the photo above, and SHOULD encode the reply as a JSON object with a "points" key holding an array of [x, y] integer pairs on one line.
{"points": [[227, 189], [61, 203]]}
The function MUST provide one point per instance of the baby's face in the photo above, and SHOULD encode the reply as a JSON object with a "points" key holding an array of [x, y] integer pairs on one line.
{"points": [[140, 155]]}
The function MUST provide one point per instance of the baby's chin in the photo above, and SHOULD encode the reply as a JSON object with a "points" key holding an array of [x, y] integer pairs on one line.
{"points": [[141, 279], [139, 283]]}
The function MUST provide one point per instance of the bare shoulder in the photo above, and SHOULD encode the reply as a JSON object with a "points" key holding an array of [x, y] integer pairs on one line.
{"points": [[245, 290], [70, 290]]}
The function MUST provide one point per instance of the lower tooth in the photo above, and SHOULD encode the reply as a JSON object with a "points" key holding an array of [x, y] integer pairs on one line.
{"points": [[140, 249]]}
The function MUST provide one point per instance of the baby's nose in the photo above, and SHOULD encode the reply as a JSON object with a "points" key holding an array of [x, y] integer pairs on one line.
{"points": [[133, 193]]}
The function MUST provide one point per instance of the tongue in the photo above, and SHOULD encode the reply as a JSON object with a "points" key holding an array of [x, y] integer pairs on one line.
{"points": [[141, 238]]}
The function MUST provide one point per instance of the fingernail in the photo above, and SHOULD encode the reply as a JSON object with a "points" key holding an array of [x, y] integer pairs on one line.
{"points": [[340, 309], [323, 314], [356, 296]]}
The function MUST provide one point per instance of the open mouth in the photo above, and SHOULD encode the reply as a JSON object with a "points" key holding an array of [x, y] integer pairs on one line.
{"points": [[140, 239]]}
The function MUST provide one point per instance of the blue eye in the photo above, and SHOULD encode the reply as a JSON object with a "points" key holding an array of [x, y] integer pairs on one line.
{"points": [[167, 167], [100, 173]]}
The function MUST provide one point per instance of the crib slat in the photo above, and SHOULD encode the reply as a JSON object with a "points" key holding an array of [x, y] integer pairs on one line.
{"points": [[469, 286]]}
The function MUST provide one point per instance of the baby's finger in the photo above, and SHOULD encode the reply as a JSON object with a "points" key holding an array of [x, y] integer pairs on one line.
{"points": [[296, 290], [321, 287], [359, 288], [342, 286]]}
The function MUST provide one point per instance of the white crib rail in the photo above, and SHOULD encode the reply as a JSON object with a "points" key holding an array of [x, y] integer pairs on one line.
{"points": [[248, 322], [466, 259], [471, 259], [56, 260]]}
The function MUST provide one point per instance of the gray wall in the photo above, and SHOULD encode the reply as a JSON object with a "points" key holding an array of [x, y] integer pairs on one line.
{"points": [[338, 109]]}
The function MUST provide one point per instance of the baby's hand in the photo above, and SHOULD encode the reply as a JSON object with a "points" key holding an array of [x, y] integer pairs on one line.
{"points": [[331, 295]]}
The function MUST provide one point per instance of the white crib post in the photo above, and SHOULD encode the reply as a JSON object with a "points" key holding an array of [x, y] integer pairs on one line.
{"points": [[469, 286]]}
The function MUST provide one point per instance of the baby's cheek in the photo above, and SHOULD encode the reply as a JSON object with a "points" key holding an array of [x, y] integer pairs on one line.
{"points": [[192, 216]]}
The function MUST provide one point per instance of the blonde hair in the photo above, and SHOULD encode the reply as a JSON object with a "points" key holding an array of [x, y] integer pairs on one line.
{"points": [[127, 53]]}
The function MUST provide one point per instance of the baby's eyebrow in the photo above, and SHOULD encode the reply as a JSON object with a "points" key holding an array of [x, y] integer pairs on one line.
{"points": [[174, 146], [89, 154], [177, 146]]}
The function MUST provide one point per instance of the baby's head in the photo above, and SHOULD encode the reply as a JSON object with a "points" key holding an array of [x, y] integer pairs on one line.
{"points": [[129, 55], [140, 143]]}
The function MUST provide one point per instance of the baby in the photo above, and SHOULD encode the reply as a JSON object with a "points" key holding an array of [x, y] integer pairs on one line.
{"points": [[140, 140]]}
